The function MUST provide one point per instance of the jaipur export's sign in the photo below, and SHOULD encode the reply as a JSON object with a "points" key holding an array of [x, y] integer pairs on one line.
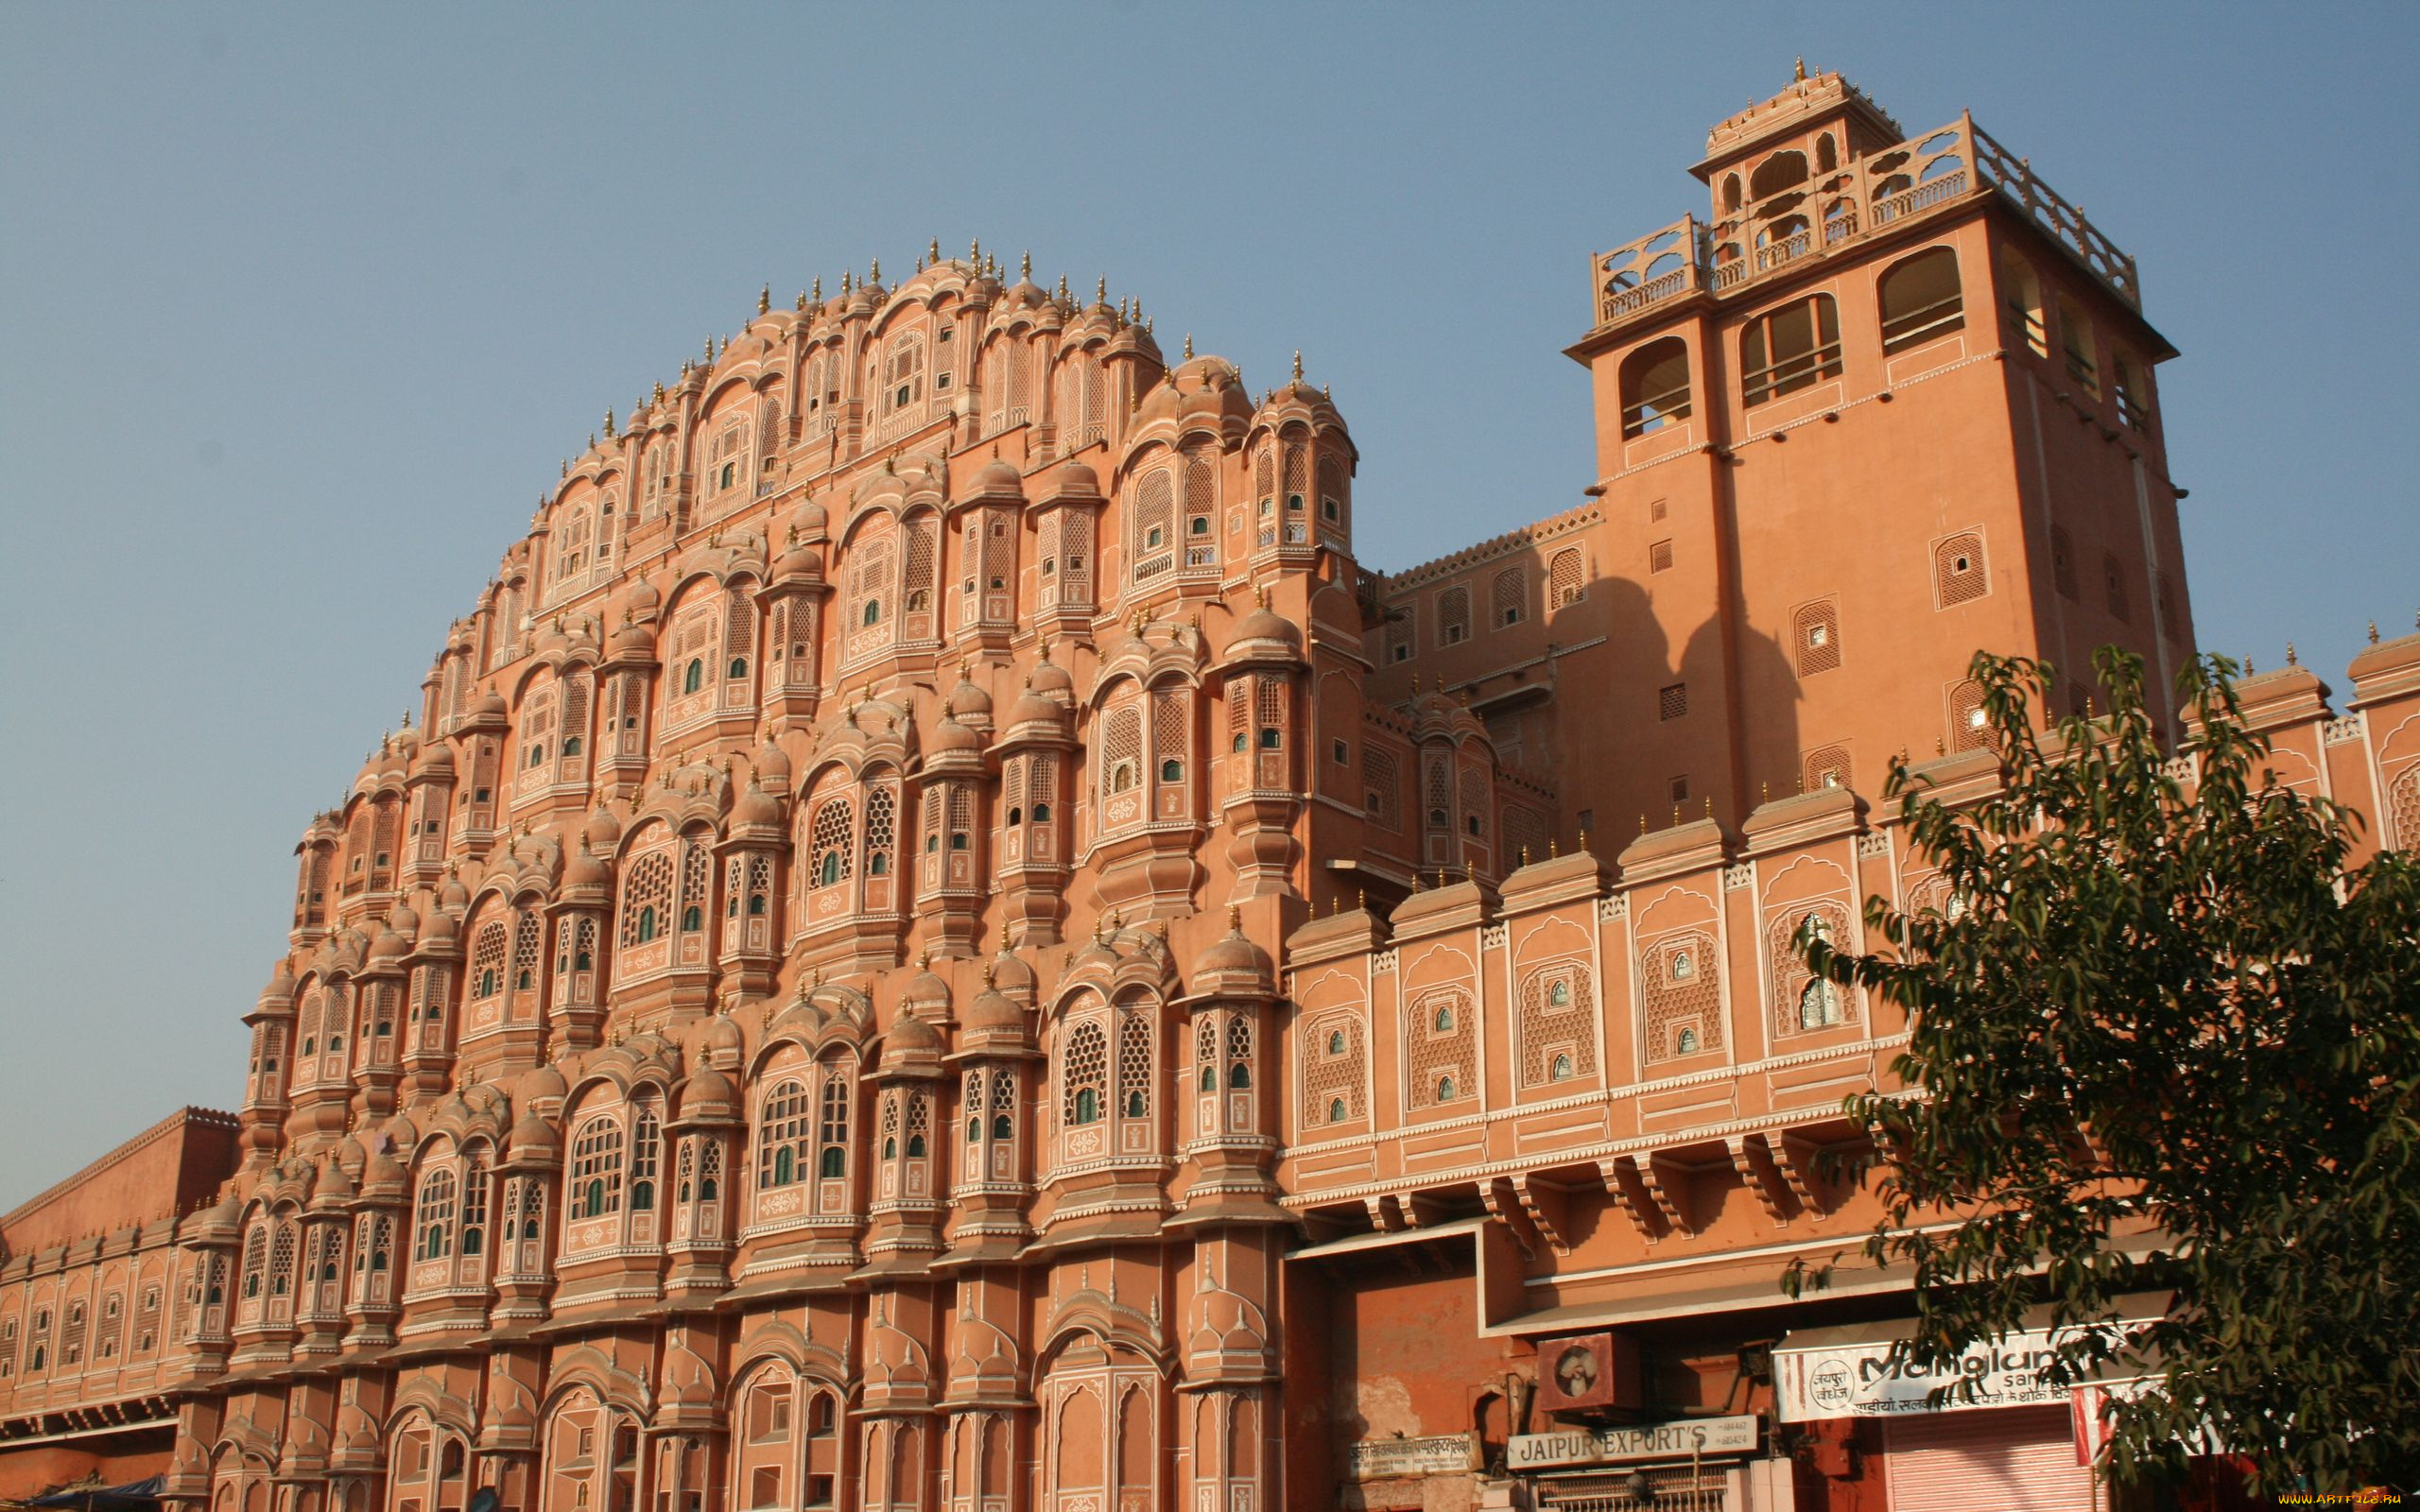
{"points": [[1862, 1380], [1672, 1441]]}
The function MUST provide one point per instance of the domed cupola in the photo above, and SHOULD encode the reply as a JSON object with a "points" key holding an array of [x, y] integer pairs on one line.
{"points": [[1233, 967]]}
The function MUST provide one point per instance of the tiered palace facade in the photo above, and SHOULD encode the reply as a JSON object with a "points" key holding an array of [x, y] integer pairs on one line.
{"points": [[935, 941]]}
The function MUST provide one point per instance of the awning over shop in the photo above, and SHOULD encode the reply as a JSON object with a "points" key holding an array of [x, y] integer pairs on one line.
{"points": [[134, 1495]]}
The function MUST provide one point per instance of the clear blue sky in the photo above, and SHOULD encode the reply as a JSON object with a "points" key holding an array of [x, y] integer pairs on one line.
{"points": [[301, 305]]}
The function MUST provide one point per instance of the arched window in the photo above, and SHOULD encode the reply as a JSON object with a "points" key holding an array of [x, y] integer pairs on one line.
{"points": [[832, 1161], [597, 1168], [1134, 1064], [1783, 170], [1789, 348], [437, 1215], [1084, 1073], [1687, 1043], [1921, 299], [1655, 386], [1336, 1111], [1445, 1089], [1444, 1022], [646, 926], [694, 676], [647, 1155]]}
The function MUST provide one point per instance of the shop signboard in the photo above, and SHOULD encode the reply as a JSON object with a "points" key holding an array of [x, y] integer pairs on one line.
{"points": [[1682, 1439], [1862, 1380], [1372, 1459]]}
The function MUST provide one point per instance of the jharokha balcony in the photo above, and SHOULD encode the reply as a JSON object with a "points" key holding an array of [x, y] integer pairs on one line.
{"points": [[1836, 206]]}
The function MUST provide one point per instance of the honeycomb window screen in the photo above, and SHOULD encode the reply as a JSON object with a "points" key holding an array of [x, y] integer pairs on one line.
{"points": [[1815, 638], [1557, 1025], [1800, 1001], [1969, 723], [1508, 596], [1403, 631], [829, 848], [1083, 1075], [1335, 1070], [1683, 977], [1381, 786], [1565, 586], [1672, 700], [1134, 1064], [1958, 569], [1659, 556], [1439, 1057], [1454, 615], [1824, 767]]}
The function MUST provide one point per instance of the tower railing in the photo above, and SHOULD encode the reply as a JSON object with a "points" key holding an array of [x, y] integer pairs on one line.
{"points": [[1838, 208]]}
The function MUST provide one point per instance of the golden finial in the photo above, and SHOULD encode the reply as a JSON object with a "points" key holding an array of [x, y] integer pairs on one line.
{"points": [[710, 350], [1100, 290], [802, 302], [1415, 879], [1062, 288], [934, 254], [816, 293], [1676, 814], [874, 272], [1710, 805], [1360, 897], [1298, 364], [1024, 266], [1262, 591], [765, 299], [1004, 937], [988, 976], [1764, 792], [1235, 920], [1583, 833], [2374, 632], [1802, 72], [2290, 655], [1095, 929], [659, 392], [1940, 747], [608, 424], [1189, 346], [1525, 856]]}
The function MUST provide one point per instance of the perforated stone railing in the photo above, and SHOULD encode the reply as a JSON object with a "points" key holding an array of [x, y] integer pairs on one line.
{"points": [[1836, 208]]}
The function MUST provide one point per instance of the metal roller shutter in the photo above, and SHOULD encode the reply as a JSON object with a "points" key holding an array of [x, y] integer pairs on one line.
{"points": [[2009, 1459]]}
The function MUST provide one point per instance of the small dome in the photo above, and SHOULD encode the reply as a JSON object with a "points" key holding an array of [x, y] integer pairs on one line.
{"points": [[1075, 480], [532, 1137], [435, 759], [1010, 974], [772, 765], [999, 477], [630, 642], [488, 705], [809, 520], [643, 599], [950, 735], [543, 1082], [924, 990], [994, 1012], [798, 562], [1234, 964], [708, 1092], [1032, 708], [756, 808], [439, 932], [602, 832], [389, 947], [968, 698], [586, 868], [910, 1038], [719, 1037], [1048, 677], [281, 982], [382, 1171]]}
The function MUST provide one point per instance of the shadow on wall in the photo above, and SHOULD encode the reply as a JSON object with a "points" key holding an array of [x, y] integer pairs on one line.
{"points": [[1635, 731]]}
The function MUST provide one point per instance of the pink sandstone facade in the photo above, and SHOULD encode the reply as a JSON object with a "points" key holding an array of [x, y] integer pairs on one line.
{"points": [[935, 941]]}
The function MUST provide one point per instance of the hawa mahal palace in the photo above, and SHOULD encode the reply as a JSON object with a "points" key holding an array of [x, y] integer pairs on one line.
{"points": [[936, 941]]}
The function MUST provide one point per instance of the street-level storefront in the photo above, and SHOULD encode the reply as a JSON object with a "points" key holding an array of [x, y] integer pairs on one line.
{"points": [[1686, 1465], [2009, 1445]]}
